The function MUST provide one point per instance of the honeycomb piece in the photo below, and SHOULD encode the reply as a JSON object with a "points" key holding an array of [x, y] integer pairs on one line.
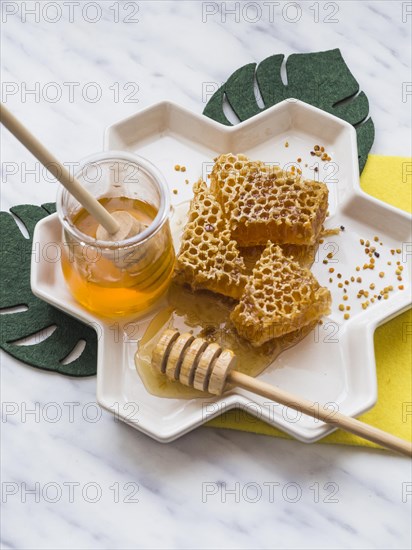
{"points": [[280, 297], [208, 256], [266, 203], [279, 207]]}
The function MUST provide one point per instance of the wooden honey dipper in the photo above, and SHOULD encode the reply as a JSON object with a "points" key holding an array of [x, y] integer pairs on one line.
{"points": [[115, 226], [207, 367]]}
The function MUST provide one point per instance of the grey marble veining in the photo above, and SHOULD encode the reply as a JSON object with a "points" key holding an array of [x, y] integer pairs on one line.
{"points": [[98, 483]]}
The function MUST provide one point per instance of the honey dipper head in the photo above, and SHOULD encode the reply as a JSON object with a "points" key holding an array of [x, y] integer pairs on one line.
{"points": [[193, 361]]}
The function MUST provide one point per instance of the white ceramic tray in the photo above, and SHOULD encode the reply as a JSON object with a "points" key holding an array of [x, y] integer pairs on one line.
{"points": [[335, 364]]}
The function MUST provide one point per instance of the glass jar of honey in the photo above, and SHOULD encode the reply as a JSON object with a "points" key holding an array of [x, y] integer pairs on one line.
{"points": [[125, 277]]}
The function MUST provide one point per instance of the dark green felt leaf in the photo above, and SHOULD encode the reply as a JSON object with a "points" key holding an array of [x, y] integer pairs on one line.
{"points": [[48, 353], [321, 79]]}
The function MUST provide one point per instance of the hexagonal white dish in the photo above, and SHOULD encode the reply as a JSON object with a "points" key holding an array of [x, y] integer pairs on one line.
{"points": [[336, 362]]}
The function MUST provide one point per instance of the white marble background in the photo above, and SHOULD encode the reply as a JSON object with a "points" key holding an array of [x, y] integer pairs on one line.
{"points": [[148, 495]]}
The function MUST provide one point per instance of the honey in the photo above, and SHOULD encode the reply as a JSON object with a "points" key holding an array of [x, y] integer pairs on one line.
{"points": [[206, 315], [118, 279]]}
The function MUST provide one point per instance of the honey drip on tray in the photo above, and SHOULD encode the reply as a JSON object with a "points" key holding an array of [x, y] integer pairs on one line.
{"points": [[205, 315]]}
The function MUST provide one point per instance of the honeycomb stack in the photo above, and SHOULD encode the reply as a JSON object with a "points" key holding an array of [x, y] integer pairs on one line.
{"points": [[252, 237]]}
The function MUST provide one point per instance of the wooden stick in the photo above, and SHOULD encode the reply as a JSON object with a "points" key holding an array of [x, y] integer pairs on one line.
{"points": [[211, 369], [337, 419], [59, 171]]}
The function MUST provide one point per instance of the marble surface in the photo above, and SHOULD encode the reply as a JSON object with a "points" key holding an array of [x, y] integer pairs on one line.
{"points": [[72, 476]]}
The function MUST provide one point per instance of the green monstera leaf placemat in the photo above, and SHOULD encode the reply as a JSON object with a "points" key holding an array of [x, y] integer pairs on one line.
{"points": [[24, 315], [322, 79]]}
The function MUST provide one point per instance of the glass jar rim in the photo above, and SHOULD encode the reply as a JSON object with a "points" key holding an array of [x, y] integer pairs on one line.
{"points": [[159, 220]]}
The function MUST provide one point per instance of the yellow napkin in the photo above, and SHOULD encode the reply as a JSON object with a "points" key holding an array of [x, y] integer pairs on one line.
{"points": [[388, 179]]}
